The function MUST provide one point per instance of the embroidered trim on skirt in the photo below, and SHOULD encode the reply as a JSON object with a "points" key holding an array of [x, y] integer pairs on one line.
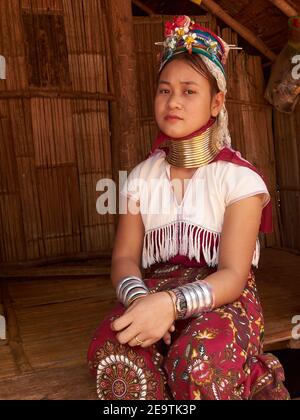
{"points": [[216, 356]]}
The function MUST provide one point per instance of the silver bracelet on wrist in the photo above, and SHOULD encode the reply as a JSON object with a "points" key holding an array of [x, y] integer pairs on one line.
{"points": [[124, 281], [129, 289], [198, 298]]}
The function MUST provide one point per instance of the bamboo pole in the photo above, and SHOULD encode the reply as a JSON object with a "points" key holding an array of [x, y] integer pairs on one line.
{"points": [[143, 7], [286, 8], [244, 32]]}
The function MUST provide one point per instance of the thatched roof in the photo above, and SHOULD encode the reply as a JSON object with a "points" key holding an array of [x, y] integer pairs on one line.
{"points": [[262, 17]]}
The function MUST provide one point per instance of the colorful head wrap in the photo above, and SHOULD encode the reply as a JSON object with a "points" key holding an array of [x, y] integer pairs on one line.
{"points": [[184, 35]]}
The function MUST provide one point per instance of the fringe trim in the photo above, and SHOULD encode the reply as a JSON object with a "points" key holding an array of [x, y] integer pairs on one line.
{"points": [[186, 239]]}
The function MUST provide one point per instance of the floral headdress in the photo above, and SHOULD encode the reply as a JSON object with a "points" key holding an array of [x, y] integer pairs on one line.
{"points": [[184, 35]]}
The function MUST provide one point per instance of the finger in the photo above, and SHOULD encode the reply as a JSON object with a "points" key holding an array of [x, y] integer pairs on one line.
{"points": [[128, 335], [167, 338], [137, 341], [121, 323]]}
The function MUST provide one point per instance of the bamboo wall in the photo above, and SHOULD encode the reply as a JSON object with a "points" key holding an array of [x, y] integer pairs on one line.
{"points": [[54, 129], [287, 146], [250, 122], [250, 116]]}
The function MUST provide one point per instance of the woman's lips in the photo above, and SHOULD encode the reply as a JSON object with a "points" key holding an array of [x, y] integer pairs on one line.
{"points": [[170, 118]]}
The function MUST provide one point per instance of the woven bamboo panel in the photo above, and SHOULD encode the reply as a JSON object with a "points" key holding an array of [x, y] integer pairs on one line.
{"points": [[87, 72], [12, 241], [251, 132], [58, 194], [8, 181], [287, 133], [148, 131], [90, 121], [54, 147], [91, 124], [46, 50], [95, 233], [86, 45], [245, 79], [250, 120], [31, 210], [52, 132], [86, 26], [21, 128]]}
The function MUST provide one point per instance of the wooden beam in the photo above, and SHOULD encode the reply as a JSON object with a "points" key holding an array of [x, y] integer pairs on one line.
{"points": [[44, 93], [124, 112], [286, 8], [143, 7], [244, 32]]}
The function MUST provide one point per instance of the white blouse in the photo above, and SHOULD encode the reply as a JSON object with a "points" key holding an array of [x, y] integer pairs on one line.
{"points": [[192, 227]]}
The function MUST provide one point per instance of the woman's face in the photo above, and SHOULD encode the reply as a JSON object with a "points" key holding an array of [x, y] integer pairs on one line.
{"points": [[184, 93]]}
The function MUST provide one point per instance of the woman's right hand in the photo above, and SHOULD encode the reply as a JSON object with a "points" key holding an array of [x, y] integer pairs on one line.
{"points": [[149, 318], [167, 336]]}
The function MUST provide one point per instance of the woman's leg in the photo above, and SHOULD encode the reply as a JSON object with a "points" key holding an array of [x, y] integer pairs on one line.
{"points": [[123, 372], [218, 355]]}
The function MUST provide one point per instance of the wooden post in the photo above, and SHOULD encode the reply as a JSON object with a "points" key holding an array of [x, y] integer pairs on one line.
{"points": [[248, 35], [125, 142], [285, 7]]}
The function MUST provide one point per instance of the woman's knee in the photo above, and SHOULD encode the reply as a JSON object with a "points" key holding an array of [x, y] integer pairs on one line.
{"points": [[202, 354], [101, 336]]}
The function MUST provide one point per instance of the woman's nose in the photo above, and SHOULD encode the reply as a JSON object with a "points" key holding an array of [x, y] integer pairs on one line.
{"points": [[174, 102]]}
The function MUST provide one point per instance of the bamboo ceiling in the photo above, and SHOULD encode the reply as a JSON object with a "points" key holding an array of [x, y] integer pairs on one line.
{"points": [[262, 17]]}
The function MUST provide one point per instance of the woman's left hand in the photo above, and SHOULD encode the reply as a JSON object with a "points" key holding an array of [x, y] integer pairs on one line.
{"points": [[148, 319]]}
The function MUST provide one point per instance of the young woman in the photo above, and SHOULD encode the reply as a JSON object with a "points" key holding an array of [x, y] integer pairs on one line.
{"points": [[192, 328]]}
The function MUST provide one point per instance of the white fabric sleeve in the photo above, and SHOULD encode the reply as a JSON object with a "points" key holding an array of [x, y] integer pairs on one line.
{"points": [[242, 182], [131, 187]]}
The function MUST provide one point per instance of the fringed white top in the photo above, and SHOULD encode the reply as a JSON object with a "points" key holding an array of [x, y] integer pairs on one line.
{"points": [[193, 227]]}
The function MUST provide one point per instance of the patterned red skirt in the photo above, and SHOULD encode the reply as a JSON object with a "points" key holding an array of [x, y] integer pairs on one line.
{"points": [[216, 356]]}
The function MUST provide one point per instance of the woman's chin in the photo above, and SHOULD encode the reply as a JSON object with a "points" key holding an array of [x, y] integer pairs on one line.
{"points": [[175, 133]]}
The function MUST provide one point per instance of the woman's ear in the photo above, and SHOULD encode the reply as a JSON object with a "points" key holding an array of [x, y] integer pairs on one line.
{"points": [[217, 103]]}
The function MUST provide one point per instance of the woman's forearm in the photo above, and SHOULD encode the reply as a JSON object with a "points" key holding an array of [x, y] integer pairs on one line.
{"points": [[122, 267], [227, 286]]}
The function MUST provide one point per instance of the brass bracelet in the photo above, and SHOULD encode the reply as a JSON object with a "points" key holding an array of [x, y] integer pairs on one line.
{"points": [[173, 302]]}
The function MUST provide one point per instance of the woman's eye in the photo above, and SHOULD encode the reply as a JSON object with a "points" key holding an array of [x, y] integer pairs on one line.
{"points": [[190, 92]]}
